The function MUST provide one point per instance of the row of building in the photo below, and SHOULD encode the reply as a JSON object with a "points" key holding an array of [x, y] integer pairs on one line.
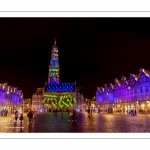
{"points": [[126, 94], [10, 98]]}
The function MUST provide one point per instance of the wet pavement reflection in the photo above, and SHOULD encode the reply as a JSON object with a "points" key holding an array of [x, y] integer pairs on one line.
{"points": [[96, 123]]}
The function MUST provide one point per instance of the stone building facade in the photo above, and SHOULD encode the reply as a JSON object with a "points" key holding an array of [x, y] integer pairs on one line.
{"points": [[37, 98], [79, 96], [125, 95], [27, 103], [10, 98]]}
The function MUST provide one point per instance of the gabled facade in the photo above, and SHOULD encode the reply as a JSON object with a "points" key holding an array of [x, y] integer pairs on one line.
{"points": [[10, 98], [125, 95]]}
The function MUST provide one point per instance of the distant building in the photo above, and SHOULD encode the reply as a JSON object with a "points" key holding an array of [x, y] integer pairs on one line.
{"points": [[37, 98], [27, 103], [89, 103], [126, 95], [79, 104], [10, 98]]}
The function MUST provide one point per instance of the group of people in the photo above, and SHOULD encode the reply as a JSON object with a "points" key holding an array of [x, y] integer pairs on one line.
{"points": [[90, 110], [132, 112], [4, 112], [17, 116], [31, 115], [141, 111], [72, 115]]}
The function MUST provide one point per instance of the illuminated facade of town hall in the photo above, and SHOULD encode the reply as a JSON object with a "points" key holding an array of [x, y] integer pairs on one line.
{"points": [[56, 94]]}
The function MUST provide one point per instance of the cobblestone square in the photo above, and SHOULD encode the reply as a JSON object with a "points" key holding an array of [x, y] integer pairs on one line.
{"points": [[96, 123]]}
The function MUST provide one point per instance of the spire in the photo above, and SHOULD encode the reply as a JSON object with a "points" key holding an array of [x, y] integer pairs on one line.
{"points": [[53, 76], [55, 43]]}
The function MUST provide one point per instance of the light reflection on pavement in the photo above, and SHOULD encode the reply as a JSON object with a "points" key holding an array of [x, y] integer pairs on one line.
{"points": [[96, 123]]}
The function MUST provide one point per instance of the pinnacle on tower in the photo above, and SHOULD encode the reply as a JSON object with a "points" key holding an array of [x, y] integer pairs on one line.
{"points": [[53, 76], [54, 43]]}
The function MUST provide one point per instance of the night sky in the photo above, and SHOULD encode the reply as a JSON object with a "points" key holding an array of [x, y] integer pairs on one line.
{"points": [[92, 51]]}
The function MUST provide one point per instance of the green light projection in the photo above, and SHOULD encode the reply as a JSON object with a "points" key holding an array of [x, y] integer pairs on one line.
{"points": [[64, 100], [48, 106]]}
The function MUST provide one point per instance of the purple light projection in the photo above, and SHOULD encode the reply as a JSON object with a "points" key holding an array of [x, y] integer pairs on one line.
{"points": [[137, 88], [10, 96]]}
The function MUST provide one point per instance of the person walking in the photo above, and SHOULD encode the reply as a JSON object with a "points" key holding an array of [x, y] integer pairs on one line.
{"points": [[74, 115], [91, 109], [21, 118], [70, 115], [6, 112], [56, 112], [35, 113], [89, 112], [53, 111], [30, 116], [16, 116], [135, 112]]}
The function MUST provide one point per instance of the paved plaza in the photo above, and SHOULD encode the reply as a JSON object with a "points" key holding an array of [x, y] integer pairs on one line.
{"points": [[96, 123]]}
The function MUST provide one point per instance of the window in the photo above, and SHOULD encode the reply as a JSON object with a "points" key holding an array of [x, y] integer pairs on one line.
{"points": [[135, 91], [146, 88], [141, 90]]}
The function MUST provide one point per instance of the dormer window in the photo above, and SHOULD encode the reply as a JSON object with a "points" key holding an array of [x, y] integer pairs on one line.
{"points": [[141, 90]]}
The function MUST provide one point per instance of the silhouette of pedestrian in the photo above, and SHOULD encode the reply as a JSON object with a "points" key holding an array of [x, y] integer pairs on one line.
{"points": [[16, 116], [21, 118]]}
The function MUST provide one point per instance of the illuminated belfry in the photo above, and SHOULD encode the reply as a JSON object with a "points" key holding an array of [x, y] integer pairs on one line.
{"points": [[56, 95], [53, 76], [54, 84]]}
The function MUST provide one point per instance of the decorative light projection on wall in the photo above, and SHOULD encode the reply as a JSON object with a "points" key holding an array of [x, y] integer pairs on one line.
{"points": [[10, 96], [61, 87], [53, 77], [127, 91], [53, 101], [54, 84]]}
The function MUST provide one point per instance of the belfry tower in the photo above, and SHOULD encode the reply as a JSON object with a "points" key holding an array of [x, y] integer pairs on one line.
{"points": [[54, 70], [58, 95]]}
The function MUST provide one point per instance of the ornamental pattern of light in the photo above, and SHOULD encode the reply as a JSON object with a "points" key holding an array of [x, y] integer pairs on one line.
{"points": [[61, 87], [10, 96], [53, 76], [65, 100]]}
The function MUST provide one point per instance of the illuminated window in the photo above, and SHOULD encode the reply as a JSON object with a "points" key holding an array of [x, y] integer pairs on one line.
{"points": [[146, 88], [135, 91], [141, 90]]}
